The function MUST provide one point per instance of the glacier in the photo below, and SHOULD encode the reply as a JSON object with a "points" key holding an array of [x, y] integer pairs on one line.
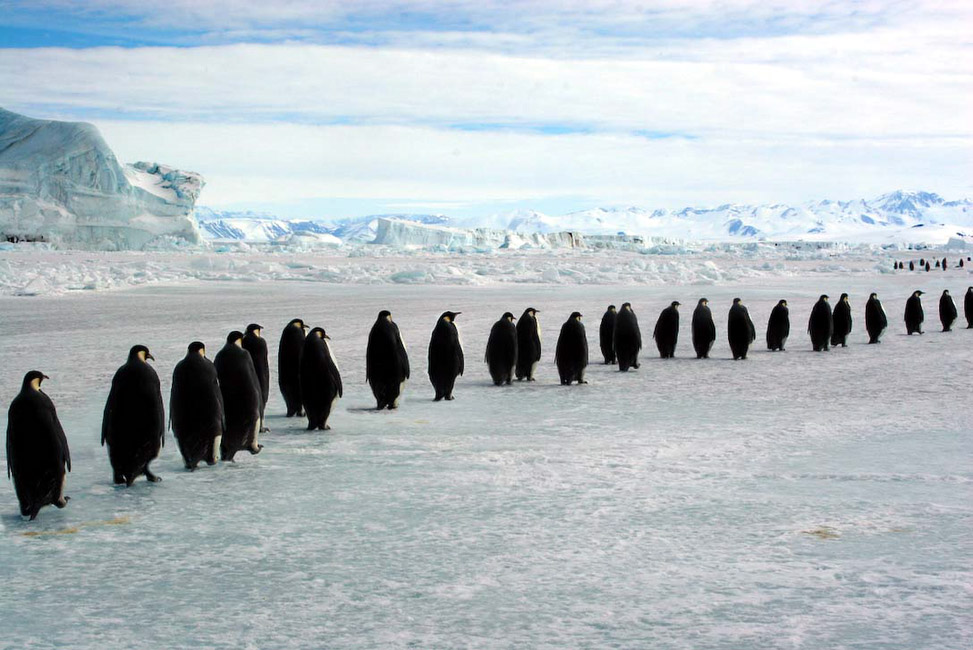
{"points": [[61, 183]]}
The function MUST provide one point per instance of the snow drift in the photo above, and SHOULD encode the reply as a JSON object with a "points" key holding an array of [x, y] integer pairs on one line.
{"points": [[61, 183]]}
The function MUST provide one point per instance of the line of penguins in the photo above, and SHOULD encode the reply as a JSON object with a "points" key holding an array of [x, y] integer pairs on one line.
{"points": [[216, 408], [926, 265]]}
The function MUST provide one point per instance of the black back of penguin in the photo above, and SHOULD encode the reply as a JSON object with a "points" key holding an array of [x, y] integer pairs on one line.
{"points": [[386, 361], [133, 425], [841, 321], [627, 339], [196, 407], [241, 398], [606, 334], [37, 449], [289, 365], [914, 314], [501, 350], [740, 331], [704, 329], [820, 325], [947, 311], [320, 379], [876, 320], [778, 326], [666, 331], [968, 307], [256, 345], [528, 344], [571, 353], [445, 355]]}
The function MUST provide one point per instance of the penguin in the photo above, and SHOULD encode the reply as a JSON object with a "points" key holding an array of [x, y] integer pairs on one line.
{"points": [[740, 330], [627, 339], [445, 355], [571, 353], [606, 335], [528, 344], [875, 319], [196, 408], [968, 307], [37, 449], [944, 264], [841, 321], [922, 261], [666, 332], [320, 380], [778, 327], [704, 329], [947, 311], [820, 325], [134, 422], [256, 345], [241, 398], [913, 313], [961, 262], [501, 350], [928, 268], [386, 361], [912, 266], [937, 264], [289, 365]]}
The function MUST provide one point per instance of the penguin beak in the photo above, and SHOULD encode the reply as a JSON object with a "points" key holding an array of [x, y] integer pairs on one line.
{"points": [[326, 337], [45, 377], [148, 355]]}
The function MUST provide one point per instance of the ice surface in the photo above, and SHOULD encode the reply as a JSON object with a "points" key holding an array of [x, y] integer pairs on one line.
{"points": [[794, 500]]}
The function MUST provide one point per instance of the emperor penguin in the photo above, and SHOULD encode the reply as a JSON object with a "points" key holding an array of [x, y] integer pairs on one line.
{"points": [[820, 325], [778, 327], [912, 265], [289, 365], [501, 350], [386, 361], [256, 345], [740, 330], [528, 344], [876, 320], [947, 311], [320, 379], [241, 398], [841, 321], [968, 307], [627, 338], [37, 449], [196, 408], [606, 335], [914, 314], [134, 422], [666, 332], [704, 329], [571, 353], [445, 356]]}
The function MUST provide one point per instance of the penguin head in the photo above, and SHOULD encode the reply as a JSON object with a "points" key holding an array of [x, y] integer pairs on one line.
{"points": [[297, 322], [197, 347], [235, 338], [824, 297], [34, 379], [140, 352], [675, 304], [385, 314], [702, 302], [918, 292], [844, 297], [781, 303], [449, 316], [320, 333], [508, 317], [576, 315], [872, 296], [611, 308], [254, 329], [945, 292], [626, 305], [532, 311], [737, 301]]}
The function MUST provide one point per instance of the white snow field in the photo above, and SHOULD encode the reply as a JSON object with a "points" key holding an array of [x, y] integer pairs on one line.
{"points": [[793, 500]]}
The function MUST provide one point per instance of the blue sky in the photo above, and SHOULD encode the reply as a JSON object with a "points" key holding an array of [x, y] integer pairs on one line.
{"points": [[318, 109]]}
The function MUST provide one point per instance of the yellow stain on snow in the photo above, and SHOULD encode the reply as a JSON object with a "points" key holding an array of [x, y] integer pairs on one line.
{"points": [[823, 532], [71, 530]]}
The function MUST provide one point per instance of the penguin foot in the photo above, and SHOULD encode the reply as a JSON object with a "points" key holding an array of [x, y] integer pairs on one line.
{"points": [[437, 398], [326, 427], [636, 365], [264, 429], [60, 503], [129, 481], [210, 461], [450, 398], [255, 450], [118, 479], [152, 478]]}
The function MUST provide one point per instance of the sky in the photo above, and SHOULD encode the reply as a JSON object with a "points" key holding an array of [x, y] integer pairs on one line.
{"points": [[316, 109]]}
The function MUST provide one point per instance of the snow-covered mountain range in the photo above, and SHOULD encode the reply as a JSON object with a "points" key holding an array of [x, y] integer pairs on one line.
{"points": [[896, 217]]}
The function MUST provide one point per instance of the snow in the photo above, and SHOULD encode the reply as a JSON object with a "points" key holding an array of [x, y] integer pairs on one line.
{"points": [[61, 183], [793, 500]]}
